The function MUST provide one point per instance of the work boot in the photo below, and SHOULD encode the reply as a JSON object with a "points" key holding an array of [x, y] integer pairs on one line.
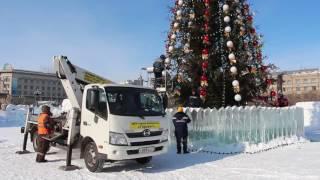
{"points": [[43, 161], [178, 149], [186, 152]]}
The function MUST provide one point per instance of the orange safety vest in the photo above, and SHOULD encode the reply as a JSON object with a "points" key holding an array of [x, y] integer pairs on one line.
{"points": [[42, 130]]}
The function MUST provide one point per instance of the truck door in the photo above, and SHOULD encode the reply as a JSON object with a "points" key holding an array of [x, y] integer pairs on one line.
{"points": [[94, 117]]}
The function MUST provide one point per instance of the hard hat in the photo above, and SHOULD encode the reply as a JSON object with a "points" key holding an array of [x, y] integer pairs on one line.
{"points": [[180, 109]]}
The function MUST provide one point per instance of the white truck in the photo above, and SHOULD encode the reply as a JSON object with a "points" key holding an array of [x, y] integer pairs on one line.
{"points": [[109, 122]]}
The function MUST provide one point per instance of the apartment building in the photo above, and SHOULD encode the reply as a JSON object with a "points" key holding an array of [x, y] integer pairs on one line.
{"points": [[299, 85], [25, 87]]}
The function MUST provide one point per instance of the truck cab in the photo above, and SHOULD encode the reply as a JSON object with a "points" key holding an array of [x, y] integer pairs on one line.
{"points": [[123, 122]]}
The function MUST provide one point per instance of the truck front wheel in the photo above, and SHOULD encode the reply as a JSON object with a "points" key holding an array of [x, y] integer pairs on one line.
{"points": [[144, 160], [91, 159]]}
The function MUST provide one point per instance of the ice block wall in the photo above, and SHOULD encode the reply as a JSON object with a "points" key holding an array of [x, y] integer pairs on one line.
{"points": [[242, 127]]}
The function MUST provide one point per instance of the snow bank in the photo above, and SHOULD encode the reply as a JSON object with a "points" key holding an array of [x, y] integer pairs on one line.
{"points": [[15, 115], [12, 118], [311, 119]]}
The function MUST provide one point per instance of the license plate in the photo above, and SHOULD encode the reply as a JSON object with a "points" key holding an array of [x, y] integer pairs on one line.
{"points": [[146, 150], [145, 125]]}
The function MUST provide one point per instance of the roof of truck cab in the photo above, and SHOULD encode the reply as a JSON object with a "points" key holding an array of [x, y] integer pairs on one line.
{"points": [[123, 85]]}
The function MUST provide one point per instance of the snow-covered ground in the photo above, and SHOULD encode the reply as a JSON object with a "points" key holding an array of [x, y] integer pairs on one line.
{"points": [[298, 161]]}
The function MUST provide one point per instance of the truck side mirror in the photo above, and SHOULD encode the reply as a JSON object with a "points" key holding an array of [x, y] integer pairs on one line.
{"points": [[93, 99]]}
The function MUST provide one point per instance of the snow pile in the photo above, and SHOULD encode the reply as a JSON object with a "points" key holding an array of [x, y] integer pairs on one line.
{"points": [[15, 115], [245, 147], [311, 119], [12, 107]]}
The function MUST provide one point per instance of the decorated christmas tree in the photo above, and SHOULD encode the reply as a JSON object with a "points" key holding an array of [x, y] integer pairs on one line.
{"points": [[213, 48]]}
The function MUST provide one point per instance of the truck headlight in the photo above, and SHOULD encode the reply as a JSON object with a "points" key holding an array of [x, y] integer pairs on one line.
{"points": [[117, 139], [165, 135]]}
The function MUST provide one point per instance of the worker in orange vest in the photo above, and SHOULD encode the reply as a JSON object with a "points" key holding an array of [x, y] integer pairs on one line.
{"points": [[44, 129]]}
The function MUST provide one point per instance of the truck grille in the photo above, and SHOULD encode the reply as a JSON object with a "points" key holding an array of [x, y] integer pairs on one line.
{"points": [[140, 134], [144, 143], [131, 152]]}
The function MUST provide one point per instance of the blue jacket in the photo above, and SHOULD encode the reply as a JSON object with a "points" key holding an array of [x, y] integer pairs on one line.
{"points": [[180, 121]]}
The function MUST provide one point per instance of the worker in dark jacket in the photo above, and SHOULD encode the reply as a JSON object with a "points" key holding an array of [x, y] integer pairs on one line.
{"points": [[44, 130], [180, 121]]}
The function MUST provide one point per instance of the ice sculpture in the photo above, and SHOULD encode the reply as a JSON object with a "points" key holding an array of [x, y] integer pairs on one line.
{"points": [[242, 129]]}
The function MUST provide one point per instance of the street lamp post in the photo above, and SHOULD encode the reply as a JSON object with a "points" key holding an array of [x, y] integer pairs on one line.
{"points": [[36, 93]]}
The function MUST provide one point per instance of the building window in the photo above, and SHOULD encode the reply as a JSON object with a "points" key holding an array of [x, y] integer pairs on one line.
{"points": [[25, 87], [297, 89], [43, 88], [31, 87], [26, 81], [48, 88], [6, 79], [284, 89], [305, 88], [31, 80], [306, 80], [314, 88], [314, 80]]}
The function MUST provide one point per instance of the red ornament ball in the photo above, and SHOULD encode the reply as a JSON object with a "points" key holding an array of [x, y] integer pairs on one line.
{"points": [[204, 78], [207, 13], [269, 81], [205, 51], [252, 31], [205, 65], [203, 92]]}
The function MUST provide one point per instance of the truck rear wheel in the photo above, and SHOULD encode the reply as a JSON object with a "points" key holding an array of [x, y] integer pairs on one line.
{"points": [[144, 160], [91, 159], [35, 141]]}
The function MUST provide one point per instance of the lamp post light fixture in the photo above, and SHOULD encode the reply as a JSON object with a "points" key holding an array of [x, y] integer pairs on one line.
{"points": [[36, 94]]}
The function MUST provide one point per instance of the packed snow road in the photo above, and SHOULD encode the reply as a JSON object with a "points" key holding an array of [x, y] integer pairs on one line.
{"points": [[300, 161]]}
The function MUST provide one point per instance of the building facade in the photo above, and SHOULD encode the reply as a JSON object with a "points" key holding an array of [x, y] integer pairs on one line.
{"points": [[25, 87], [137, 82], [300, 85]]}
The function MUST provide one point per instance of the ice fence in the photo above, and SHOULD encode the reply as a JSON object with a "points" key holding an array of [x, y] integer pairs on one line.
{"points": [[242, 129]]}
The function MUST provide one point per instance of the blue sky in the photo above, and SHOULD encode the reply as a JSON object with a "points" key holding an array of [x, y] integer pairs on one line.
{"points": [[116, 38]]}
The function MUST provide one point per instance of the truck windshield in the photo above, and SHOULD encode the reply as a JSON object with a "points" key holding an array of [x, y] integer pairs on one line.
{"points": [[128, 101]]}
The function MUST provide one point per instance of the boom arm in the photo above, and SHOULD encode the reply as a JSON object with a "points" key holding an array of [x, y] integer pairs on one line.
{"points": [[74, 79]]}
